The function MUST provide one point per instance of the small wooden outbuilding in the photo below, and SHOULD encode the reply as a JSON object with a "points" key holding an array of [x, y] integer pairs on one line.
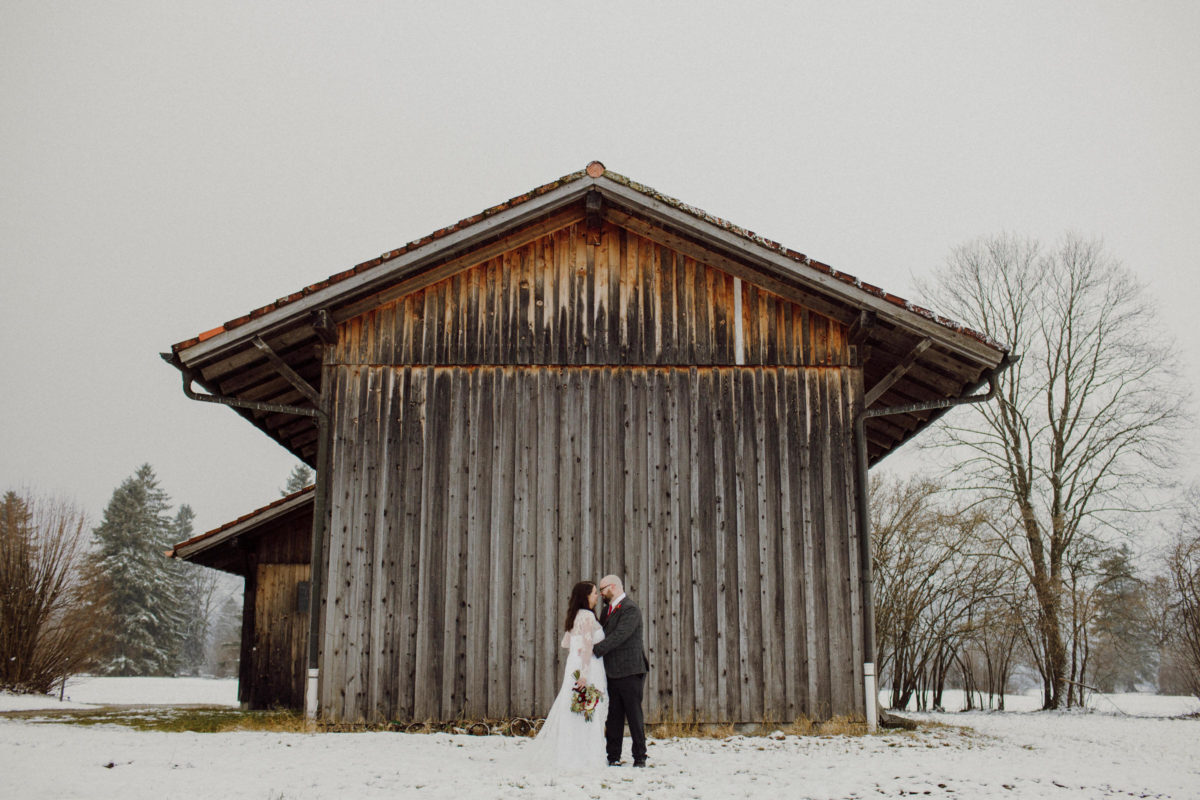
{"points": [[591, 377], [270, 548]]}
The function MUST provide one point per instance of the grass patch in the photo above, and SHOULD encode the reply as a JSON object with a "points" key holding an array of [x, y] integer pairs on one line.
{"points": [[171, 719], [802, 726]]}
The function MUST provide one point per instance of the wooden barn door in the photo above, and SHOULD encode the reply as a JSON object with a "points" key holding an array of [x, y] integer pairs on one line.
{"points": [[279, 653]]}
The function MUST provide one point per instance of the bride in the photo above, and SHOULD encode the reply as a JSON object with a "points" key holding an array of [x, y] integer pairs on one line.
{"points": [[568, 740]]}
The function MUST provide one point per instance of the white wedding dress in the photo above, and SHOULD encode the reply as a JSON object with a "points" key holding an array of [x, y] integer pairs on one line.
{"points": [[567, 741]]}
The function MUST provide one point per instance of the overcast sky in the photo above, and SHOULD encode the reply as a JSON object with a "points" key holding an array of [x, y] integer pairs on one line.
{"points": [[167, 166]]}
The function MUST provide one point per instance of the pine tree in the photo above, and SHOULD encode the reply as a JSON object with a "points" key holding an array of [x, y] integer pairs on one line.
{"points": [[146, 601], [301, 476], [1124, 651]]}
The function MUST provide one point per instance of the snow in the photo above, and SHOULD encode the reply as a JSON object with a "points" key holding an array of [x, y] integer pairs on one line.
{"points": [[85, 692], [1144, 750]]}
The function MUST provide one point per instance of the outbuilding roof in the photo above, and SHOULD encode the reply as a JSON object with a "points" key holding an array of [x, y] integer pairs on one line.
{"points": [[212, 549], [915, 354]]}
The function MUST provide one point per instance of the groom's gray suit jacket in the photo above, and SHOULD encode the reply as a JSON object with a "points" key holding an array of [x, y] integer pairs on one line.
{"points": [[622, 648]]}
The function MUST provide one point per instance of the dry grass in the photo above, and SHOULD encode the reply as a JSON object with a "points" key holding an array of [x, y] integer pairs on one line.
{"points": [[209, 719], [802, 726]]}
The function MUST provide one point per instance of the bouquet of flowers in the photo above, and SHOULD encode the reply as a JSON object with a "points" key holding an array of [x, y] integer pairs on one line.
{"points": [[585, 700]]}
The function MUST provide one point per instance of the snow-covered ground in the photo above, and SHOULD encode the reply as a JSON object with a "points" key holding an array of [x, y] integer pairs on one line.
{"points": [[1139, 751], [87, 692]]}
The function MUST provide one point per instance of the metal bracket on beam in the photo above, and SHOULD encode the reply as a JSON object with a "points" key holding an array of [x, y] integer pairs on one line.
{"points": [[293, 377], [322, 325]]}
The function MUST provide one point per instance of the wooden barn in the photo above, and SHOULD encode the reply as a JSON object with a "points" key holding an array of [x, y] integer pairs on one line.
{"points": [[591, 377]]}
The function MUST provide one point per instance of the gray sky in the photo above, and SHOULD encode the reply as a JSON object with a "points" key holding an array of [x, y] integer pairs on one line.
{"points": [[167, 166]]}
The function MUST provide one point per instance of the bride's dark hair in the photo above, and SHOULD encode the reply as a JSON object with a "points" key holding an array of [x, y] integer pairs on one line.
{"points": [[579, 600]]}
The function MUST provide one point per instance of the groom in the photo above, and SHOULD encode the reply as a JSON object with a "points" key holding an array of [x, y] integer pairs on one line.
{"points": [[626, 665]]}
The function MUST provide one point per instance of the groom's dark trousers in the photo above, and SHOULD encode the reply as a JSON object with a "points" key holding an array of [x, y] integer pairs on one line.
{"points": [[626, 665], [625, 704]]}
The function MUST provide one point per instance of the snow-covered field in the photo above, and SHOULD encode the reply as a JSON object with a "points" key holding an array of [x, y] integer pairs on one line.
{"points": [[1138, 751]]}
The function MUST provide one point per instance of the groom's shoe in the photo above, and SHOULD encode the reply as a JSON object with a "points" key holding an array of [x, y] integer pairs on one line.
{"points": [[612, 763], [641, 763]]}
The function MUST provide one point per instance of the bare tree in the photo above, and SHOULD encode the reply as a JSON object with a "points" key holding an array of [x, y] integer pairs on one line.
{"points": [[49, 611], [1084, 422], [933, 583], [1183, 570]]}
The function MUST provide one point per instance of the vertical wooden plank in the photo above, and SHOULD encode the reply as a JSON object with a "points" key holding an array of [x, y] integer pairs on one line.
{"points": [[791, 522], [453, 674], [654, 561], [685, 309], [851, 406], [545, 467], [650, 318], [432, 602], [502, 567], [478, 548], [598, 288], [613, 246], [703, 546], [837, 575], [771, 477], [752, 320], [380, 610], [665, 306], [616, 422], [507, 313], [727, 537], [456, 345], [582, 275], [684, 528], [750, 506], [412, 438], [391, 642], [488, 329], [818, 493], [471, 320], [337, 613], [702, 312], [771, 328], [523, 577]]}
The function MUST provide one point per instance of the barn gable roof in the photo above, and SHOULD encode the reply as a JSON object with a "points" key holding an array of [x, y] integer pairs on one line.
{"points": [[900, 336]]}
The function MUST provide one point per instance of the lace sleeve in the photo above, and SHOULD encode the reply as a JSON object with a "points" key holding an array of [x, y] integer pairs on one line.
{"points": [[585, 628]]}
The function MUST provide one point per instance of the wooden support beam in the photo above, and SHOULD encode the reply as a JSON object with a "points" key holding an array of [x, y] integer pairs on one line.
{"points": [[896, 373], [595, 216], [292, 377], [861, 329]]}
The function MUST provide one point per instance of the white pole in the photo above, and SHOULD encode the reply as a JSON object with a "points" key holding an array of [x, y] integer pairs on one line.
{"points": [[872, 696], [310, 694]]}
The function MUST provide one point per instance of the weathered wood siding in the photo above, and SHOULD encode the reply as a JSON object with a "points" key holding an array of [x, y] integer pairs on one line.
{"points": [[561, 301], [565, 410], [467, 500]]}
